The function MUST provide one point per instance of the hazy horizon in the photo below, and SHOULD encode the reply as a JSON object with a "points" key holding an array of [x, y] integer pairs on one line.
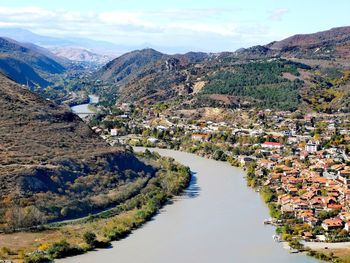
{"points": [[209, 26]]}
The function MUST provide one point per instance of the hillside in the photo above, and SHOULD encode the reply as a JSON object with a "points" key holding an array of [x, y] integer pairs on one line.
{"points": [[128, 64], [330, 44], [52, 166], [303, 71], [148, 75], [27, 63], [80, 55]]}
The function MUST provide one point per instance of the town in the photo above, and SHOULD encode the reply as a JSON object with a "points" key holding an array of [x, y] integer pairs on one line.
{"points": [[298, 162]]}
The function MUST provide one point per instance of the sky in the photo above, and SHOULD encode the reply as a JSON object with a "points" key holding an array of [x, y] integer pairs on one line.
{"points": [[196, 25]]}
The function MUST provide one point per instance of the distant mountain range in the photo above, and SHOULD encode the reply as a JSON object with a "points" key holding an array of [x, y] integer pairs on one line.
{"points": [[95, 46], [80, 55], [26, 36], [309, 70], [28, 64]]}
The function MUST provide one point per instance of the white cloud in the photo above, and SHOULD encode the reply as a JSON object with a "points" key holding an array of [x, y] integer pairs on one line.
{"points": [[225, 31], [207, 28], [278, 14]]}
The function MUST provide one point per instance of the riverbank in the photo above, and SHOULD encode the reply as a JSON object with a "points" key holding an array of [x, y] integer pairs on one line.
{"points": [[326, 245], [291, 242], [97, 231], [85, 109], [217, 218]]}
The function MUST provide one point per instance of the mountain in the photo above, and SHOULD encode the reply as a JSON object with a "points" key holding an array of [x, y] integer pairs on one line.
{"points": [[148, 75], [95, 46], [326, 45], [100, 47], [333, 36], [53, 164], [48, 53], [125, 65], [303, 71], [27, 63], [21, 72], [80, 55], [23, 35]]}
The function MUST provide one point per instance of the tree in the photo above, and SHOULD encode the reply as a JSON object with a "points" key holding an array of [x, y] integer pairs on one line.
{"points": [[218, 155], [90, 238], [24, 217]]}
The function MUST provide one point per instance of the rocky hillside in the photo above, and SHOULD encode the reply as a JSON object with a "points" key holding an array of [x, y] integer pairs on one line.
{"points": [[52, 166], [333, 43], [149, 75], [80, 55], [303, 71], [27, 63]]}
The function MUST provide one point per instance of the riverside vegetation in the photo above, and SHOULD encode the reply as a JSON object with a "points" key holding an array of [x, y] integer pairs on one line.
{"points": [[96, 231], [241, 142], [53, 168], [289, 228]]}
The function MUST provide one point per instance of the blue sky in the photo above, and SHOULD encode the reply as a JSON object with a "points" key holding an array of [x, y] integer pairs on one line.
{"points": [[186, 24]]}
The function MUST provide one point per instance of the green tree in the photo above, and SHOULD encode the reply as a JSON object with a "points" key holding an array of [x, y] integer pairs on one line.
{"points": [[90, 238]]}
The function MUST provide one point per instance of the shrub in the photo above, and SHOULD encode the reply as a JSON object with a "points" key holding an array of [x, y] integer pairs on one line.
{"points": [[90, 238], [36, 258], [63, 249]]}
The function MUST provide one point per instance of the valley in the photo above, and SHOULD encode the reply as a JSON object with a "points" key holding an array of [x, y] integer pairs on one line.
{"points": [[71, 182]]}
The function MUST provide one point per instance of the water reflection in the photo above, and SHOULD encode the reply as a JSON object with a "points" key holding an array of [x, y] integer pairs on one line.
{"points": [[193, 189]]}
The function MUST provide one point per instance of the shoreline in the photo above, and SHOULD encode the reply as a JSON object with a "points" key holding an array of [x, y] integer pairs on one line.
{"points": [[134, 219], [149, 232], [326, 245], [285, 244]]}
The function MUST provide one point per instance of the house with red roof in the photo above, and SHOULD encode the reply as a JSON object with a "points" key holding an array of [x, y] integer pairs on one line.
{"points": [[272, 145], [332, 223]]}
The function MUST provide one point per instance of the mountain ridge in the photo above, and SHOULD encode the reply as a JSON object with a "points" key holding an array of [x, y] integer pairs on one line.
{"points": [[27, 64], [50, 159], [165, 77]]}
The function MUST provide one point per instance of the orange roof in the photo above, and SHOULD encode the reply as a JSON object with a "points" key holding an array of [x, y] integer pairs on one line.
{"points": [[333, 222], [335, 206]]}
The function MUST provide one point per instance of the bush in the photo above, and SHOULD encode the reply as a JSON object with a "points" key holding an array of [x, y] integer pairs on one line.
{"points": [[63, 249], [36, 258], [268, 194], [90, 238]]}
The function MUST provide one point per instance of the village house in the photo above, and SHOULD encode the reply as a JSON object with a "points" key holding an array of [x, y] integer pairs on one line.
{"points": [[347, 226], [311, 147], [114, 132], [332, 223], [266, 163], [307, 235], [344, 177], [272, 145], [200, 137], [244, 160]]}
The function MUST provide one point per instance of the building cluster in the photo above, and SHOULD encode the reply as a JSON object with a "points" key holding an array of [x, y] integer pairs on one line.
{"points": [[303, 160]]}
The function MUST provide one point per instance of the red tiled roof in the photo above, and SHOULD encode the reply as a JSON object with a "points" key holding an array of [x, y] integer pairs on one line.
{"points": [[333, 222]]}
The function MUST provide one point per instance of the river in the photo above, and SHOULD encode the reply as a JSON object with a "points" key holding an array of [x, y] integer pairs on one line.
{"points": [[218, 219], [82, 110]]}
